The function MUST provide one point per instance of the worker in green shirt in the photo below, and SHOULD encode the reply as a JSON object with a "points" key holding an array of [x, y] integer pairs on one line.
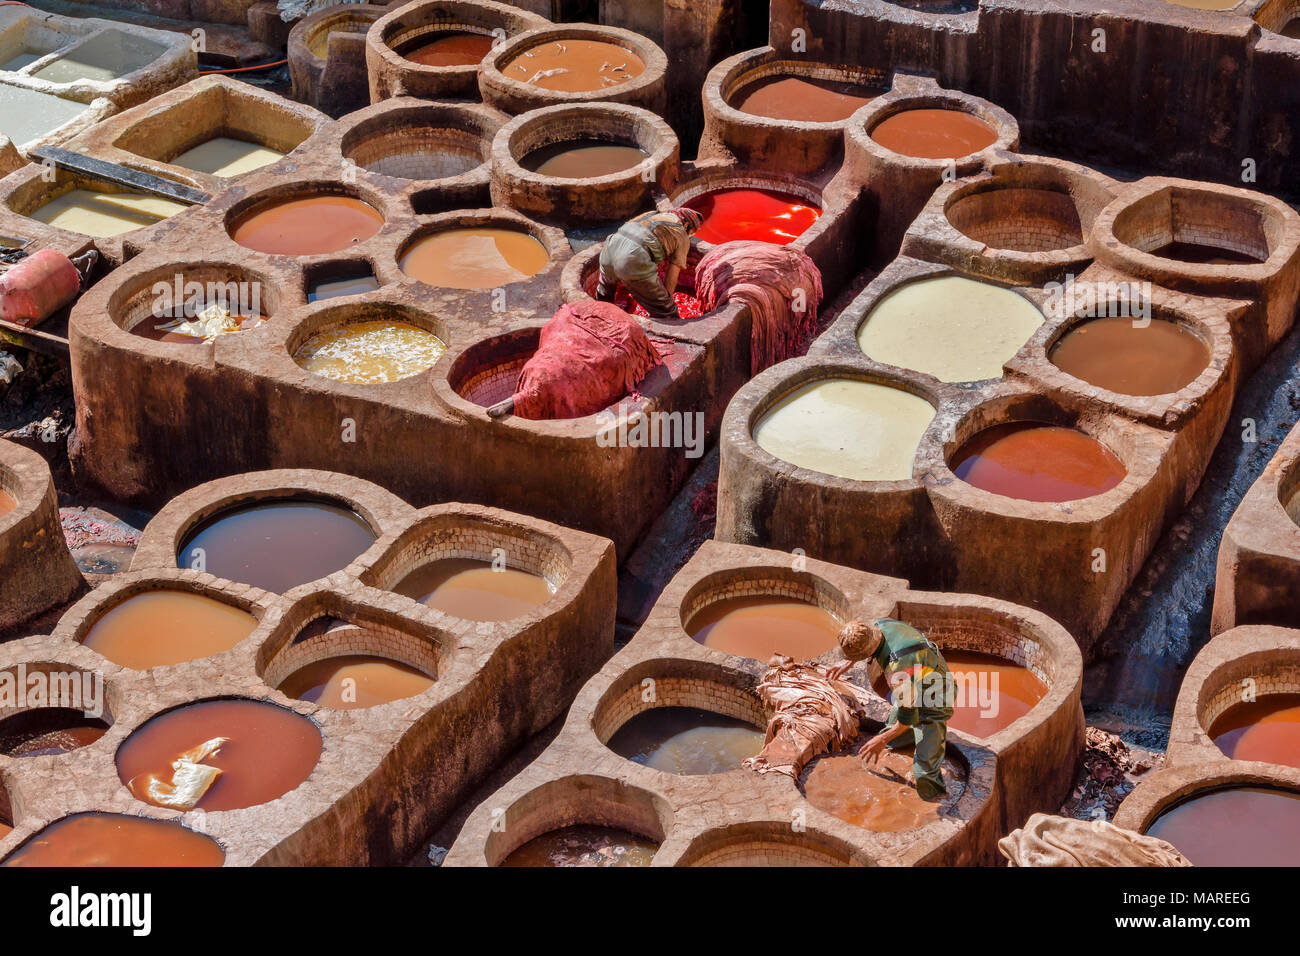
{"points": [[921, 691]]}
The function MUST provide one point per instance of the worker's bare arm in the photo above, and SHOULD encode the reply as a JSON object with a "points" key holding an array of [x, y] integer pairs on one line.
{"points": [[670, 278], [870, 751]]}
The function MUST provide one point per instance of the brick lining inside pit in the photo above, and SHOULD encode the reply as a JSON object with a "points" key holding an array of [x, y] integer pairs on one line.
{"points": [[713, 694], [456, 538], [761, 845], [1198, 216], [10, 485], [344, 21], [574, 801], [60, 685], [1018, 218], [352, 639], [1273, 677], [867, 77], [139, 301], [796, 585], [403, 150], [985, 632]]}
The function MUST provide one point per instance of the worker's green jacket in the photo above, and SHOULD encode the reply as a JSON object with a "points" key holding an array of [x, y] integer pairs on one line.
{"points": [[924, 692]]}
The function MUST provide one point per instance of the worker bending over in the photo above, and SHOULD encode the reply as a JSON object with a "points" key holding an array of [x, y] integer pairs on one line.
{"points": [[633, 254], [921, 692]]}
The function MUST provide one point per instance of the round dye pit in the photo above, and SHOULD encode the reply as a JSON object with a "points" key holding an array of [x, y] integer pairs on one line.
{"points": [[1235, 826], [847, 428], [762, 215], [1204, 254], [277, 545], [992, 693], [802, 99], [354, 682], [480, 258], [1115, 354], [574, 66], [1037, 462], [369, 353], [167, 627], [474, 590], [268, 752], [584, 845], [48, 731], [685, 740], [449, 48], [7, 502], [308, 227], [956, 329], [104, 839], [934, 133], [877, 798], [103, 215], [758, 626], [583, 159], [1265, 729]]}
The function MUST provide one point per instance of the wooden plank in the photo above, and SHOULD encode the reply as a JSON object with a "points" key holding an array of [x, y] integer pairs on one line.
{"points": [[120, 175]]}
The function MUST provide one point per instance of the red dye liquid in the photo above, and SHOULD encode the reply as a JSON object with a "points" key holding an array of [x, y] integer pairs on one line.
{"points": [[1018, 689], [1036, 462], [1266, 729], [269, 750], [108, 839], [308, 227], [760, 215], [687, 305], [451, 49]]}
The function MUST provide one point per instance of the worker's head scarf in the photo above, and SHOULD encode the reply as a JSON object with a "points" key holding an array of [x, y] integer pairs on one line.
{"points": [[691, 219], [859, 640]]}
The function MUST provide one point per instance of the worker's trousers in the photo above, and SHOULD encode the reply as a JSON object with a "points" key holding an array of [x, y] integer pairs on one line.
{"points": [[626, 260], [931, 741]]}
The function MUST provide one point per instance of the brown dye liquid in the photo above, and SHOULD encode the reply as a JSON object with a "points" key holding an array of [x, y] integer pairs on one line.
{"points": [[584, 845], [308, 227], [1236, 826], [1266, 729], [353, 682], [760, 626], [807, 101], [270, 751], [1204, 254], [167, 627], [277, 545], [1115, 354], [451, 49], [575, 66], [686, 740], [1292, 29], [877, 798], [471, 589], [7, 502], [583, 159], [1037, 462], [934, 134], [474, 258], [1015, 693], [48, 731], [106, 839]]}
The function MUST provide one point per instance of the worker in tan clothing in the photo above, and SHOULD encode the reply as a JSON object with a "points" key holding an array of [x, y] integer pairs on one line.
{"points": [[633, 255]]}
